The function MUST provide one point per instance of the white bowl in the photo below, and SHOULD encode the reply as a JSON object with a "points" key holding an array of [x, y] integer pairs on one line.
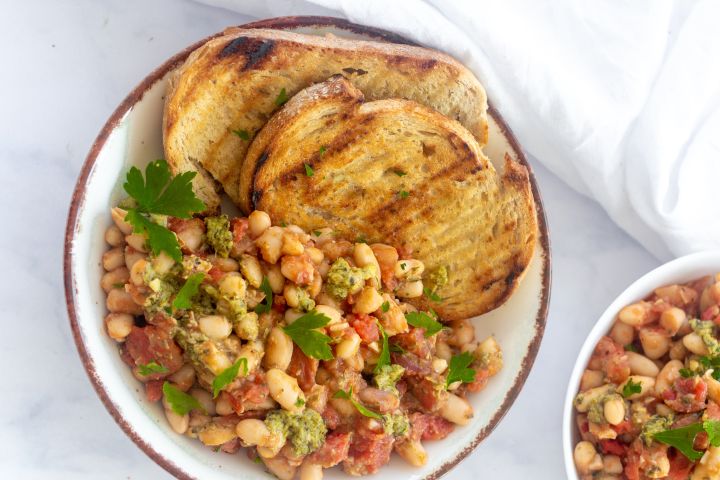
{"points": [[680, 270], [132, 136]]}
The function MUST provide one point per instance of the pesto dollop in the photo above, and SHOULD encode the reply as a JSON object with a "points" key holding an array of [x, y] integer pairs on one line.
{"points": [[218, 235], [706, 330], [343, 280], [656, 424], [387, 377], [396, 424], [305, 431], [305, 302]]}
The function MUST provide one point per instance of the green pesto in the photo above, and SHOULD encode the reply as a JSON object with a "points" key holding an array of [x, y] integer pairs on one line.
{"points": [[656, 424], [193, 264], [438, 278], [706, 330], [218, 235], [205, 301], [305, 302], [342, 279], [305, 430], [396, 424], [596, 413], [387, 377], [162, 288]]}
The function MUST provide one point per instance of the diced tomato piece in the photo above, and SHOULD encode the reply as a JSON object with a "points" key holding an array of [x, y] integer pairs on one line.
{"points": [[215, 274], [613, 447], [414, 366], [437, 428], [153, 390], [154, 344], [712, 410], [690, 395], [427, 394], [239, 227], [250, 392], [365, 326], [232, 446], [414, 341], [623, 427], [333, 451], [481, 379], [368, 452], [612, 359], [680, 466], [303, 368], [331, 417]]}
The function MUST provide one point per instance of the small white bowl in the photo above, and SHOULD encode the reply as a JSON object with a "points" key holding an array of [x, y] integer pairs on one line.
{"points": [[680, 270]]}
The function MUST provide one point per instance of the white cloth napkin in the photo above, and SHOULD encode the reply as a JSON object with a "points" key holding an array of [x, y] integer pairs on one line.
{"points": [[618, 98]]}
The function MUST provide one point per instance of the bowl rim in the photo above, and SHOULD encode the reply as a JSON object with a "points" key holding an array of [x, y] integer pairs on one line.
{"points": [[77, 201], [638, 289]]}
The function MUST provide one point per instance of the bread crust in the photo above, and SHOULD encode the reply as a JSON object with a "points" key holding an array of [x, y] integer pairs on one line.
{"points": [[231, 83]]}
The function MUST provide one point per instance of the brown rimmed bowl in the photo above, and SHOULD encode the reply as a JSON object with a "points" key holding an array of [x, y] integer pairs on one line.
{"points": [[132, 136]]}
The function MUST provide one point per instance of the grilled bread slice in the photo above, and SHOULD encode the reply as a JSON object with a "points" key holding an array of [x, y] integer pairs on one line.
{"points": [[398, 172], [235, 82]]}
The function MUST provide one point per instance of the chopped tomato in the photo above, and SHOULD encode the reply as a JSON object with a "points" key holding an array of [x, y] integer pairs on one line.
{"points": [[611, 359], [369, 450], [153, 390], [612, 447], [333, 451], [250, 392], [481, 379], [689, 395], [414, 341], [427, 393], [365, 326], [303, 368], [331, 417], [154, 344], [680, 466], [430, 427], [215, 274], [623, 427]]}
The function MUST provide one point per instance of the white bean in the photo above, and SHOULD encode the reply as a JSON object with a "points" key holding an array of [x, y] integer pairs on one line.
{"points": [[217, 327], [250, 268], [232, 285], [183, 378], [695, 344], [275, 278], [365, 257], [622, 333], [114, 279], [614, 410], [118, 216], [223, 406], [412, 452], [316, 255], [258, 222], [332, 313], [114, 237], [672, 319], [709, 465], [278, 350], [311, 471], [132, 256], [270, 244], [215, 434], [456, 410], [636, 314], [584, 456], [280, 467], [179, 423], [410, 289], [137, 273], [119, 325], [584, 399], [647, 384], [612, 465], [655, 342], [591, 379], [119, 301], [284, 389], [641, 365], [409, 269], [369, 299], [205, 399], [667, 376], [113, 258], [348, 347], [137, 241], [162, 263], [291, 245]]}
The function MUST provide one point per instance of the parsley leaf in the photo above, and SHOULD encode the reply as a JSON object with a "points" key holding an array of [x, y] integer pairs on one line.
{"points": [[423, 320], [458, 370], [686, 373], [160, 238], [313, 343], [631, 388], [384, 358], [226, 377], [266, 304], [385, 306], [432, 295], [243, 134], [317, 233], [358, 406], [399, 173], [151, 368], [180, 402], [322, 150], [282, 98], [711, 363], [682, 439], [403, 194], [309, 170], [183, 299], [630, 348]]}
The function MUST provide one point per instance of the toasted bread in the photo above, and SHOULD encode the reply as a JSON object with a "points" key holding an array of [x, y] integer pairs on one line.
{"points": [[233, 83], [398, 172]]}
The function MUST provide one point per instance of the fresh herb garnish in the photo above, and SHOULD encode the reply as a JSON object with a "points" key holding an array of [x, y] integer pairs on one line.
{"points": [[313, 343], [396, 348], [228, 375], [631, 388], [631, 348], [683, 438], [423, 320], [322, 150], [361, 239], [151, 368], [384, 358], [283, 223], [385, 306], [243, 134], [183, 299], [180, 402], [403, 194], [358, 406], [281, 98], [317, 233], [160, 194], [266, 304], [299, 402], [686, 373], [399, 173], [711, 363], [458, 370], [309, 170], [432, 295]]}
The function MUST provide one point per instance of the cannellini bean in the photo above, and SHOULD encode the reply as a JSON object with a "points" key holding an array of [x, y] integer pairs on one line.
{"points": [[225, 264], [667, 376], [678, 350], [456, 410], [279, 466], [114, 237], [586, 458], [278, 350], [252, 352], [232, 285], [315, 285], [442, 350], [713, 387], [250, 268], [258, 222], [270, 244], [663, 410], [119, 325], [323, 235], [204, 397], [672, 319], [162, 263], [695, 344], [410, 289], [365, 257], [348, 347], [275, 278], [183, 378], [585, 399], [254, 432], [284, 389], [179, 423], [291, 245], [119, 301], [641, 365], [137, 241], [462, 332], [316, 255], [439, 365], [311, 471], [137, 273], [612, 465], [113, 259], [591, 379], [132, 256], [217, 327], [292, 295], [324, 298], [215, 434], [636, 314], [655, 342], [614, 410], [333, 314], [647, 385], [114, 279], [412, 452], [409, 269], [223, 406], [622, 333], [379, 400], [292, 314], [118, 216], [709, 465], [368, 301]]}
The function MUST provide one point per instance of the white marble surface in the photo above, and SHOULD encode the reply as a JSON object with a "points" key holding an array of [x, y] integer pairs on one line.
{"points": [[66, 65]]}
